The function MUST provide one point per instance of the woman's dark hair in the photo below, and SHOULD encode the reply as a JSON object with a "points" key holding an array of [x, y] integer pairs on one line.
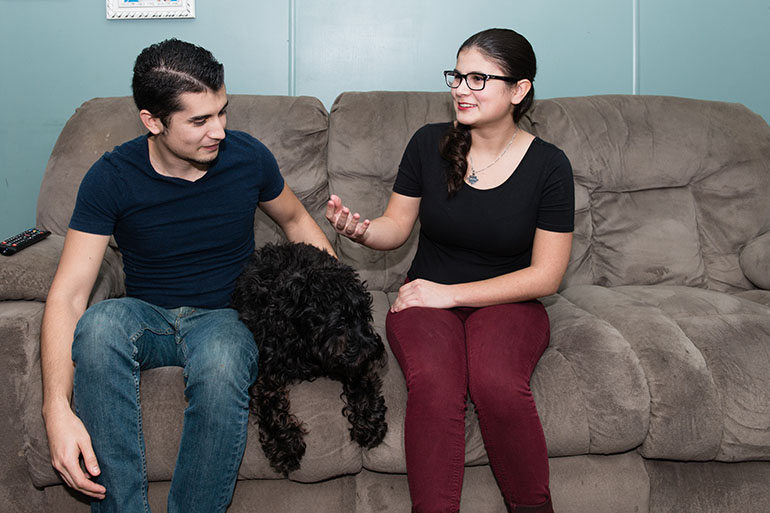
{"points": [[165, 70], [516, 58]]}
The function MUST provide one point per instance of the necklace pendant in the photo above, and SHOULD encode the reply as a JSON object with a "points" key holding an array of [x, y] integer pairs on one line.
{"points": [[472, 179]]}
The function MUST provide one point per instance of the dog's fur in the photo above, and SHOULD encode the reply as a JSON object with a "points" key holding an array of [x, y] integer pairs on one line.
{"points": [[311, 317]]}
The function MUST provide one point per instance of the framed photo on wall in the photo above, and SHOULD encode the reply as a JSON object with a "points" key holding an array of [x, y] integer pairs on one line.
{"points": [[149, 9]]}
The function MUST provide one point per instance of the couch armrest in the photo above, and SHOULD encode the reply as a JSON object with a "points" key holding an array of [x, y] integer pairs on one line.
{"points": [[755, 261], [28, 274], [20, 402]]}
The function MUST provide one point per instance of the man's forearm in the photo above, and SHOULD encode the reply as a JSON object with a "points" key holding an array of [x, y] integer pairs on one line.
{"points": [[307, 230], [58, 328]]}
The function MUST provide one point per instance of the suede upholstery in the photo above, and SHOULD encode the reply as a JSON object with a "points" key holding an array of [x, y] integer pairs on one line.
{"points": [[654, 391]]}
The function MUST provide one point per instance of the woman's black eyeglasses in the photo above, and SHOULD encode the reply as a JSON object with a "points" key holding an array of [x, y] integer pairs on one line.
{"points": [[475, 81]]}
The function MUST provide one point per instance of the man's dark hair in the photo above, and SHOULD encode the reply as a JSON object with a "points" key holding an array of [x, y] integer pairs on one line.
{"points": [[165, 70]]}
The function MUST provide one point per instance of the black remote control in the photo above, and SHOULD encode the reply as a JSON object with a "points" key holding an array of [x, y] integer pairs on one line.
{"points": [[18, 242]]}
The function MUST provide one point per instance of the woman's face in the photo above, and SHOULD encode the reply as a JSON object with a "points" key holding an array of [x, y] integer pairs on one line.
{"points": [[491, 106]]}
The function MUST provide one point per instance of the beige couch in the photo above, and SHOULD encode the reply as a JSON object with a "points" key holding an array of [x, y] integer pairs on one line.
{"points": [[654, 392]]}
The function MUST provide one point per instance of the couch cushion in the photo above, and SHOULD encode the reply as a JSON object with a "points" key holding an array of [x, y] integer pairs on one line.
{"points": [[705, 356], [589, 388], [755, 261], [646, 237], [367, 136], [668, 190], [599, 484], [330, 452], [647, 158], [679, 372], [293, 128], [758, 296], [708, 487], [96, 126]]}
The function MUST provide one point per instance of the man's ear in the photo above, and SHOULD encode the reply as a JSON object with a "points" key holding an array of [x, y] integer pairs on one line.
{"points": [[151, 122], [520, 90]]}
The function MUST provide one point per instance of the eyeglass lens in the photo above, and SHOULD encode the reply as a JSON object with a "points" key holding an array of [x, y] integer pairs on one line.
{"points": [[475, 81]]}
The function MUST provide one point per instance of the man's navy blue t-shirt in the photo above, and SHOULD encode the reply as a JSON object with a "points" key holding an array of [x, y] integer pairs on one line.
{"points": [[184, 243]]}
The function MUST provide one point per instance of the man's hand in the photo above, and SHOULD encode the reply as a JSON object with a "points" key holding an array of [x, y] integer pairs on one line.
{"points": [[68, 440]]}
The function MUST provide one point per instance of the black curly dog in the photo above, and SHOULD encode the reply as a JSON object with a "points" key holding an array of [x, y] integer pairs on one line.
{"points": [[311, 317]]}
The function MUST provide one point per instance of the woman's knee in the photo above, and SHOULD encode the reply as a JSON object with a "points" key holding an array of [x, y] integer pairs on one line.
{"points": [[428, 343], [512, 324], [504, 345], [492, 392]]}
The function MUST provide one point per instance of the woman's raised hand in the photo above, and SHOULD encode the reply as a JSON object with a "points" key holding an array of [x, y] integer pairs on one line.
{"points": [[345, 223]]}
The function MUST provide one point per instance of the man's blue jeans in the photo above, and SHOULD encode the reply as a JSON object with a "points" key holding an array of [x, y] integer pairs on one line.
{"points": [[118, 338]]}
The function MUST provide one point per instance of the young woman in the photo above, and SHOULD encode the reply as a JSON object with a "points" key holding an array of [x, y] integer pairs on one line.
{"points": [[496, 208]]}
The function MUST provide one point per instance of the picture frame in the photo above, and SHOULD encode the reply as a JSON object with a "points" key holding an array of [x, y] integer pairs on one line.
{"points": [[149, 9]]}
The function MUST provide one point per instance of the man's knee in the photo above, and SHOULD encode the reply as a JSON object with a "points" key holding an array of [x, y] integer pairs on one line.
{"points": [[100, 327], [102, 316], [223, 362]]}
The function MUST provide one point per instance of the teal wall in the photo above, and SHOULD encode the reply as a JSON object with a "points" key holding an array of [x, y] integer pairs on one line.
{"points": [[56, 54]]}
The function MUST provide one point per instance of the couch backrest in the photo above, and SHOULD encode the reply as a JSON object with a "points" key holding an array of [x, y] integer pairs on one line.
{"points": [[668, 190], [368, 133], [294, 128]]}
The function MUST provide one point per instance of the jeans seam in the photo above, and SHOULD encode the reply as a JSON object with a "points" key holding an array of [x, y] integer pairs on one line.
{"points": [[140, 427], [136, 336], [499, 470], [457, 478], [236, 457], [180, 341], [458, 460], [218, 497], [238, 450]]}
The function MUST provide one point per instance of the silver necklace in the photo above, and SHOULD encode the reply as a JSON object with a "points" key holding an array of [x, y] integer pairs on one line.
{"points": [[473, 178]]}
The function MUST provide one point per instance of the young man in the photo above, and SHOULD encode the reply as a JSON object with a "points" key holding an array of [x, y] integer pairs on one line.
{"points": [[180, 202]]}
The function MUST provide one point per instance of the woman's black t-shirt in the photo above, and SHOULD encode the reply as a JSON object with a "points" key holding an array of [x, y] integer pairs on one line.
{"points": [[479, 234]]}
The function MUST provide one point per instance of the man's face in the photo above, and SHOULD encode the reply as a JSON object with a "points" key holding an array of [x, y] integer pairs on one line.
{"points": [[193, 134]]}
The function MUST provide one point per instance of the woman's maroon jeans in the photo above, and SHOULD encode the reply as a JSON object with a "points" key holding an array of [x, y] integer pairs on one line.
{"points": [[489, 352]]}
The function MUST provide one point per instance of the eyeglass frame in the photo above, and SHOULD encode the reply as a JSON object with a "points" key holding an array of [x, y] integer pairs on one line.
{"points": [[486, 76]]}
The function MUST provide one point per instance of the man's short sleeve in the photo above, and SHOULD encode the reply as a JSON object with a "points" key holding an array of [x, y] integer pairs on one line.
{"points": [[96, 207], [273, 181]]}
